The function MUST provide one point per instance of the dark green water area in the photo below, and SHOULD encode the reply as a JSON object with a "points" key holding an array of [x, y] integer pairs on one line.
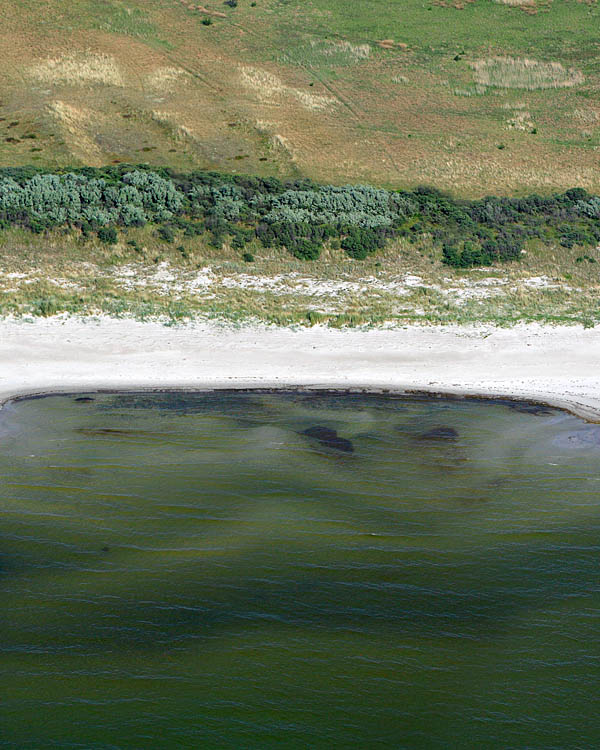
{"points": [[297, 570]]}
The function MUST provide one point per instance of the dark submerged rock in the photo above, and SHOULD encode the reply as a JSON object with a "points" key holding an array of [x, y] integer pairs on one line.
{"points": [[339, 444], [105, 431], [439, 433], [330, 439], [83, 399], [321, 433], [537, 410]]}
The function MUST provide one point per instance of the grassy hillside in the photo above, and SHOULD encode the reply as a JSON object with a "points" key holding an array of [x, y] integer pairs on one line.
{"points": [[474, 97]]}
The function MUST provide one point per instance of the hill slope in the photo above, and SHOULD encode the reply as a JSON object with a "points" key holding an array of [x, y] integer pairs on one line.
{"points": [[476, 97]]}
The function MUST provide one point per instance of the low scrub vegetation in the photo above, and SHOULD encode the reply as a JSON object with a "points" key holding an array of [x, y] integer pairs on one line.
{"points": [[300, 216]]}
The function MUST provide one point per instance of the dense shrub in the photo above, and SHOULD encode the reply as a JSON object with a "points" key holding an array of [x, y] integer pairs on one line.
{"points": [[360, 205], [298, 215], [470, 254], [53, 200], [193, 229], [305, 249], [240, 236], [359, 243], [589, 208], [108, 235], [166, 233], [573, 237]]}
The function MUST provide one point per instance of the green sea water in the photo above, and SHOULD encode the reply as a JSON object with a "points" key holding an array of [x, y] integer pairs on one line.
{"points": [[196, 571]]}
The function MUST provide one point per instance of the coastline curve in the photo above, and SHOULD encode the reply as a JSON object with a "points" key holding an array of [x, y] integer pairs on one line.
{"points": [[556, 367]]}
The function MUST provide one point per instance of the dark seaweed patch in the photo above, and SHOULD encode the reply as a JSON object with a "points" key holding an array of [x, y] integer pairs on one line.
{"points": [[439, 433], [538, 410], [329, 439], [321, 433], [106, 431], [232, 403]]}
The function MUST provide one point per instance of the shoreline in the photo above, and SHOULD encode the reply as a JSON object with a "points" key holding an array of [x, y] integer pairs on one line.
{"points": [[557, 367], [401, 394]]}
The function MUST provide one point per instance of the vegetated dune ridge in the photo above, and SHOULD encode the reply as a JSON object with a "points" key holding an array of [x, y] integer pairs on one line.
{"points": [[151, 244], [478, 97], [558, 366]]}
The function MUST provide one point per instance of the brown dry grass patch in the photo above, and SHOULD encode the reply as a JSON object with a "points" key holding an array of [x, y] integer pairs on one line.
{"points": [[523, 73], [270, 89], [75, 122], [79, 69]]}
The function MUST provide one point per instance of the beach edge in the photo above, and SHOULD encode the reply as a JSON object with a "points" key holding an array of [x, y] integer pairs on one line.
{"points": [[555, 367]]}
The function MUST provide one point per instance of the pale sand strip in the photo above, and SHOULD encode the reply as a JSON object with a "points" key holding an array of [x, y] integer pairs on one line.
{"points": [[559, 366]]}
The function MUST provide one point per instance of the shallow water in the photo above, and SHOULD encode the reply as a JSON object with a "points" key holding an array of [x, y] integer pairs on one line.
{"points": [[196, 571]]}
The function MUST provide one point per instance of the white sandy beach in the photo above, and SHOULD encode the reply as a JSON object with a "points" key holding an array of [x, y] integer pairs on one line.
{"points": [[559, 366]]}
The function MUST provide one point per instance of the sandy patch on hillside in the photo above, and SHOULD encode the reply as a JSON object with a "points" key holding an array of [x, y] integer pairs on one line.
{"points": [[79, 69], [523, 73], [173, 120], [521, 120], [163, 80], [74, 123], [518, 3], [270, 89], [343, 47]]}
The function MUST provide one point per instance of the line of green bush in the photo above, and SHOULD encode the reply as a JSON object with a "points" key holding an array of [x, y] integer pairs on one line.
{"points": [[300, 215]]}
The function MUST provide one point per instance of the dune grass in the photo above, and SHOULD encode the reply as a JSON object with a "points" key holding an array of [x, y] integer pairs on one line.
{"points": [[191, 280]]}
